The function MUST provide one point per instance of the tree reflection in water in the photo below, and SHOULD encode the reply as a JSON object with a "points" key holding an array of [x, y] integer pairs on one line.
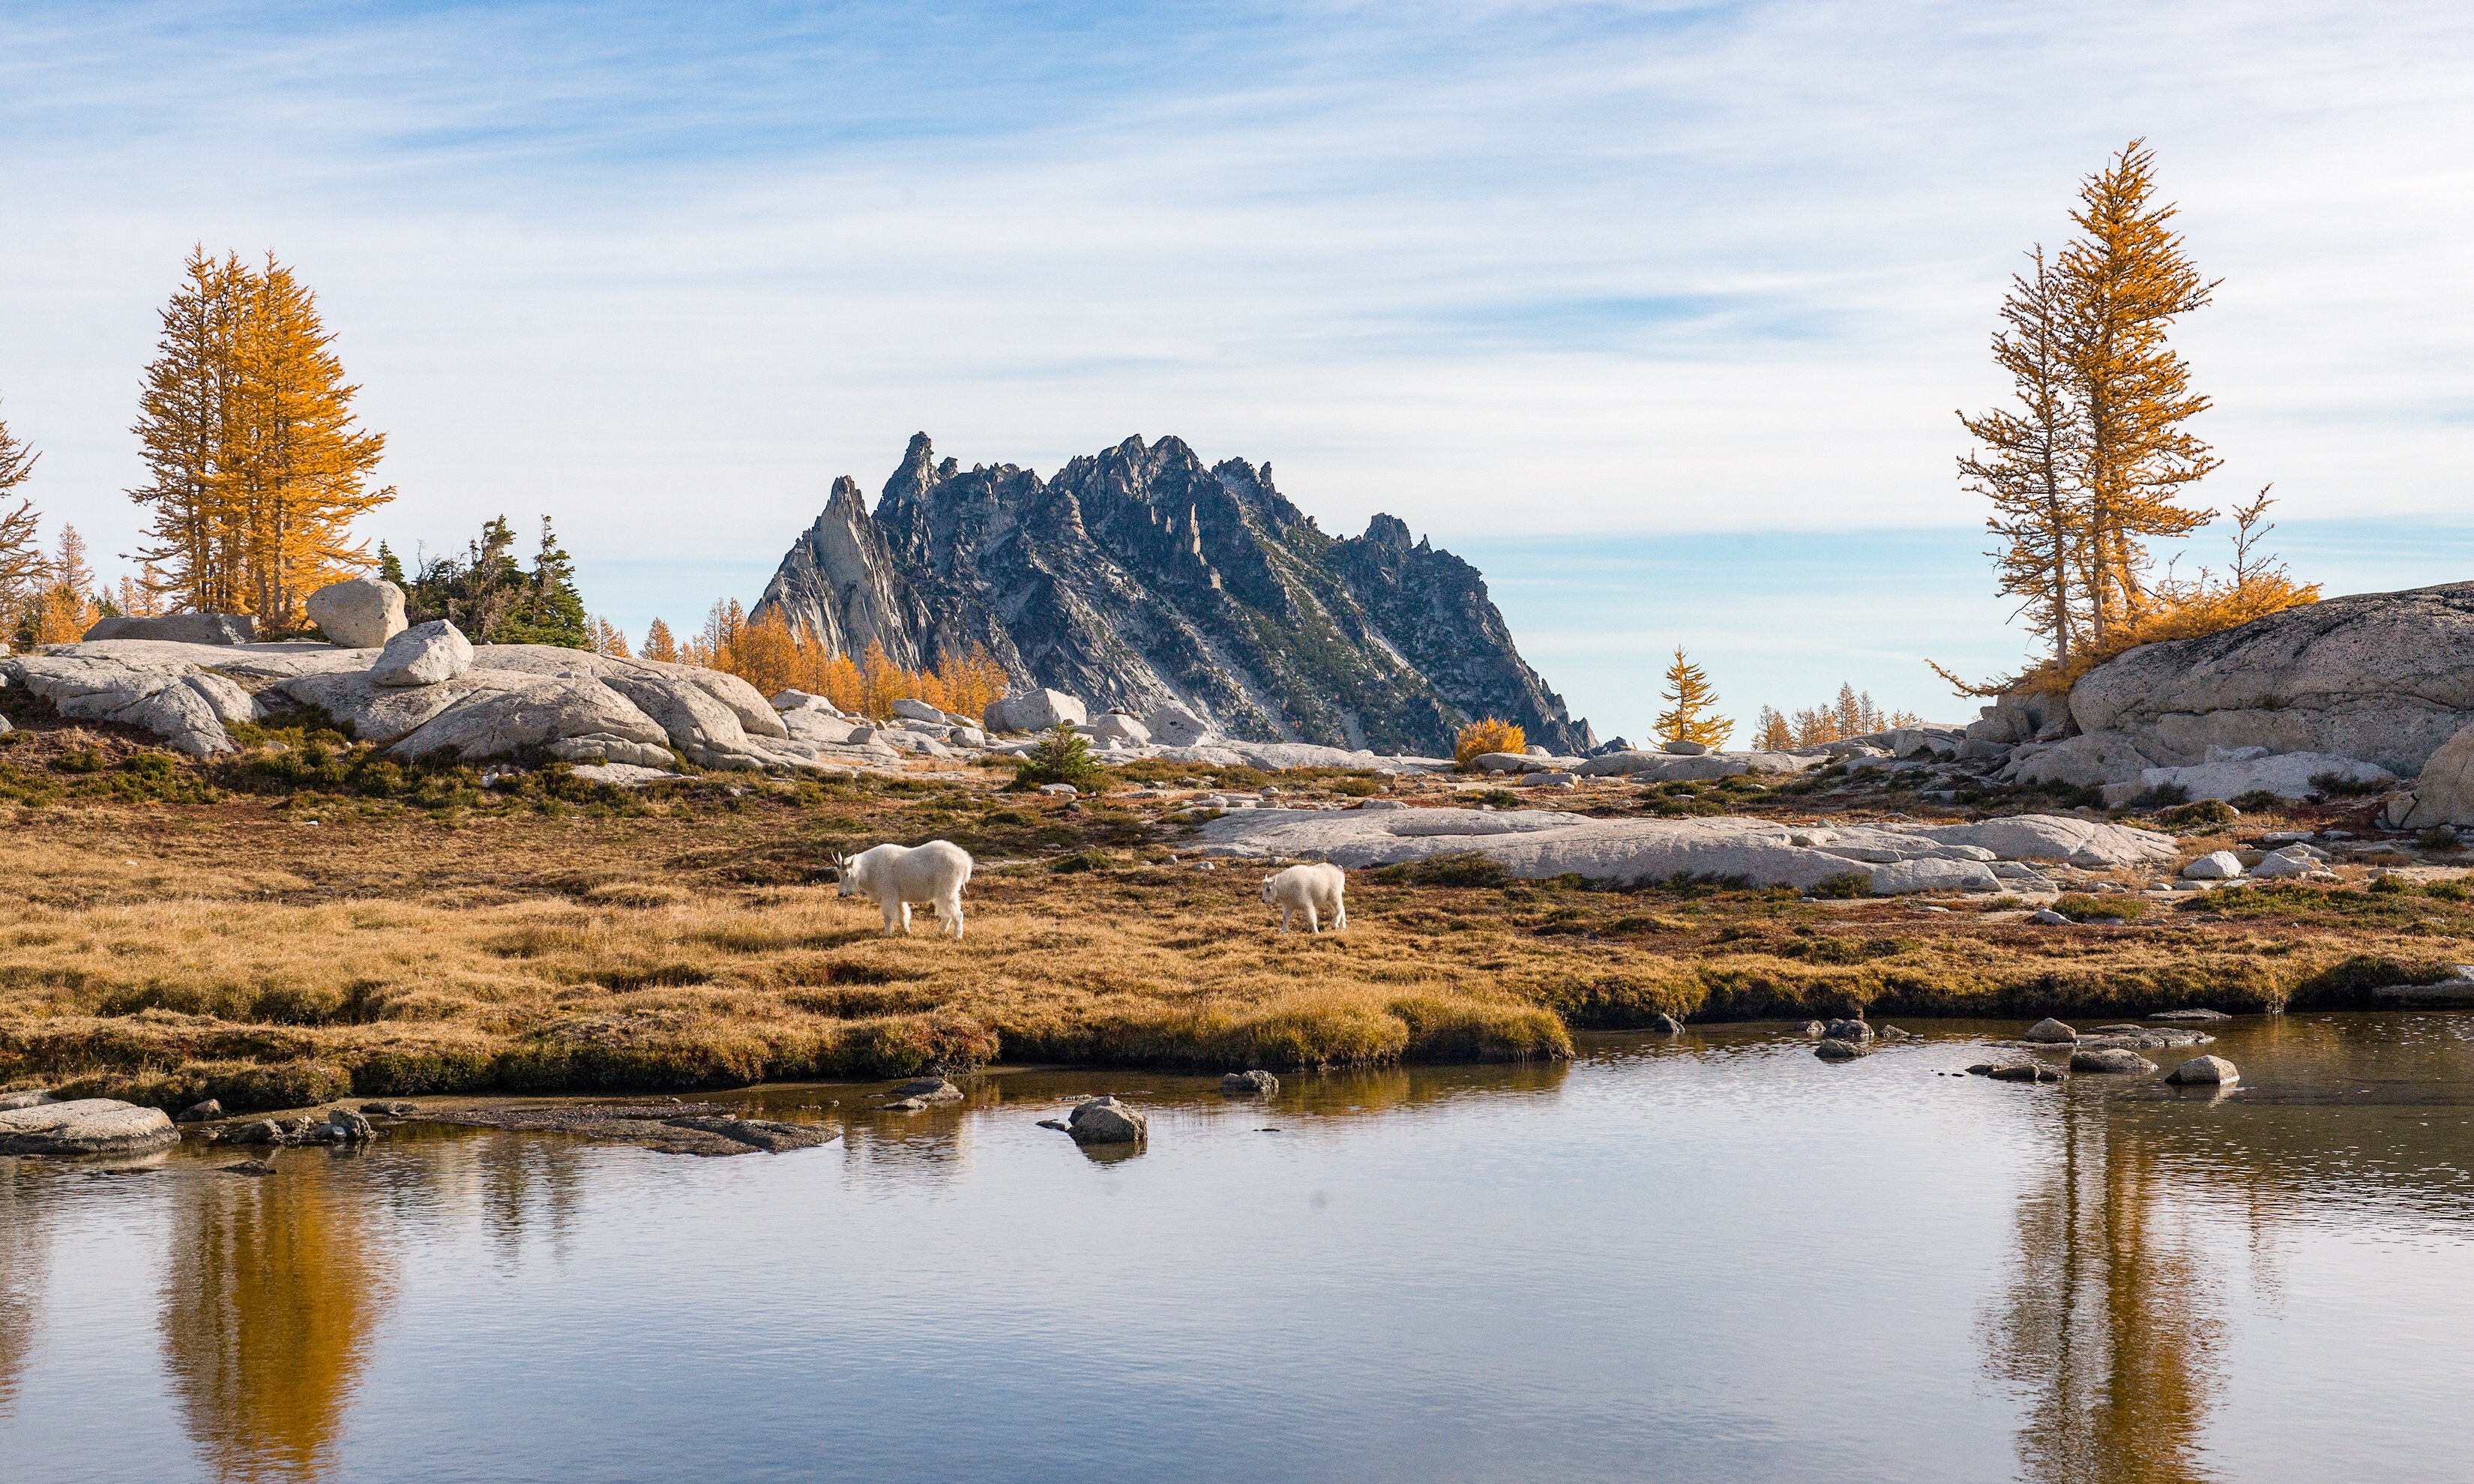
{"points": [[272, 1295], [2104, 1328]]}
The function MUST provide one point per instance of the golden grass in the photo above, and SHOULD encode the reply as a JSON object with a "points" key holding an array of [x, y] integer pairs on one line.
{"points": [[230, 951]]}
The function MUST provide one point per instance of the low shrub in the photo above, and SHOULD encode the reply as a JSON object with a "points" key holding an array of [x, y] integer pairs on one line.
{"points": [[2391, 886], [1843, 886], [2335, 785], [2084, 907], [2258, 800], [1489, 735], [2200, 815]]}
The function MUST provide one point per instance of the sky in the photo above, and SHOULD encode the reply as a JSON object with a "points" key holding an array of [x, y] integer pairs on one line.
{"points": [[1659, 313]]}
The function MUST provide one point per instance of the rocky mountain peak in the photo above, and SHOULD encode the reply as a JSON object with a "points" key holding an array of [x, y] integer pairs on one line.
{"points": [[1139, 575]]}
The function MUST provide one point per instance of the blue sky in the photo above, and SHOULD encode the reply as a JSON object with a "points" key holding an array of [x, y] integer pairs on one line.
{"points": [[1549, 281]]}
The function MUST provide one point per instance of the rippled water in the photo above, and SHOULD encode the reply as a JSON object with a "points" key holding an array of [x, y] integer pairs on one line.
{"points": [[1712, 1259]]}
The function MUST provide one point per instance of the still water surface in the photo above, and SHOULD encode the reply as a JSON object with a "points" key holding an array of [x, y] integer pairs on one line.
{"points": [[1715, 1258]]}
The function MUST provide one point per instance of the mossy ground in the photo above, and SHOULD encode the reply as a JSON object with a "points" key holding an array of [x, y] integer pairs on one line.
{"points": [[273, 933]]}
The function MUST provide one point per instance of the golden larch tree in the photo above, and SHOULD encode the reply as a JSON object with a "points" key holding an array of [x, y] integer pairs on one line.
{"points": [[2124, 281], [660, 644], [1689, 699], [256, 466]]}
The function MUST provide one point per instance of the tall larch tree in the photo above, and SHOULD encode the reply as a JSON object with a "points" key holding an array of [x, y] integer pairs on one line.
{"points": [[660, 643], [256, 466], [2124, 281]]}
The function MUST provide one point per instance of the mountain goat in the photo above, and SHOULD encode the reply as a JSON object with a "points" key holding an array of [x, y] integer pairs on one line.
{"points": [[1315, 890], [896, 875]]}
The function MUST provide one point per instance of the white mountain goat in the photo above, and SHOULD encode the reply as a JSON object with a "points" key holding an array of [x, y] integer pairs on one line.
{"points": [[896, 875], [1315, 890]]}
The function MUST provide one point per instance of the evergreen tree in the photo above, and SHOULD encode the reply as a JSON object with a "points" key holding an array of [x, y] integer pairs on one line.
{"points": [[1688, 696], [494, 600], [390, 568]]}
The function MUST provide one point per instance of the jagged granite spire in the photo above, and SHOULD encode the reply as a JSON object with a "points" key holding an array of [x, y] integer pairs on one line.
{"points": [[1138, 575]]}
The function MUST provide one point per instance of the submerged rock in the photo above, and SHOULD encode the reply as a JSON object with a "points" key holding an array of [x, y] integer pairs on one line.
{"points": [[927, 1090], [2189, 1015], [2113, 1060], [1105, 1120], [2014, 1071]]}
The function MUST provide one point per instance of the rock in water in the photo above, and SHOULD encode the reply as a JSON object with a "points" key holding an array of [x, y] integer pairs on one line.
{"points": [[1140, 576], [86, 1126], [1833, 1049], [2189, 1015], [1856, 1031], [2206, 1071], [360, 612], [354, 1128], [1105, 1120], [1665, 1024], [2050, 1032], [2116, 1059], [423, 656], [200, 1113], [927, 1090], [1253, 1084], [393, 1107]]}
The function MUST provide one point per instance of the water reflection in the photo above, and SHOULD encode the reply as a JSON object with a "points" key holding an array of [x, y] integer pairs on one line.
{"points": [[2105, 1327], [25, 1264], [269, 1303]]}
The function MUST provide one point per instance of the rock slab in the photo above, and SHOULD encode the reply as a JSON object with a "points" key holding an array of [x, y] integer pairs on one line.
{"points": [[86, 1126]]}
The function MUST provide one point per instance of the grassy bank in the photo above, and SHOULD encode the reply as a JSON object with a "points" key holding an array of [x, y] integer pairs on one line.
{"points": [[239, 951], [303, 920]]}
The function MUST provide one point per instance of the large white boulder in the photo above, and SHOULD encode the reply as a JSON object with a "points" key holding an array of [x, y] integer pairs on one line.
{"points": [[919, 712], [2387, 678], [2215, 866], [185, 706], [379, 714], [359, 612], [1174, 725], [423, 656], [2088, 761], [510, 712], [2093, 845], [2231, 773], [179, 629], [1037, 710], [2445, 794], [1118, 725]]}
